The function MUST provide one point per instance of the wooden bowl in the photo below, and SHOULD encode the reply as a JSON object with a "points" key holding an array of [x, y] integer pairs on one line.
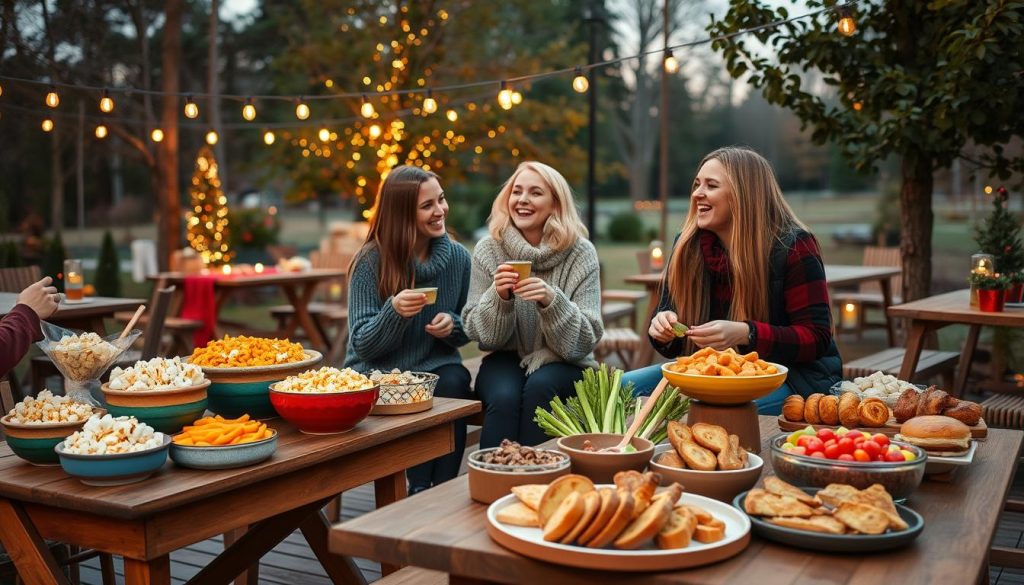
{"points": [[166, 411], [237, 391], [602, 467]]}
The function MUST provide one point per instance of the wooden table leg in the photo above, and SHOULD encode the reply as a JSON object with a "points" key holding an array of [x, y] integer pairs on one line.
{"points": [[341, 569], [966, 356], [152, 572], [388, 490], [28, 551], [302, 316], [886, 284], [250, 576], [915, 342]]}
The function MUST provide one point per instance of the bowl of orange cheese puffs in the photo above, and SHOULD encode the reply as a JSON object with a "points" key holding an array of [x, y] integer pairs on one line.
{"points": [[724, 377], [214, 442]]}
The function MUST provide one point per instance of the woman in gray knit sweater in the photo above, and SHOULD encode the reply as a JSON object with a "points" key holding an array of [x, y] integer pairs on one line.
{"points": [[393, 326], [542, 330]]}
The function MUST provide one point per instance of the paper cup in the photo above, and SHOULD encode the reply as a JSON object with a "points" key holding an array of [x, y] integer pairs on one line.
{"points": [[522, 268], [431, 293]]}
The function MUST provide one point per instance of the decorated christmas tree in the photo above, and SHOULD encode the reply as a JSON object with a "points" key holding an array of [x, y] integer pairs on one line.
{"points": [[999, 235], [208, 214]]}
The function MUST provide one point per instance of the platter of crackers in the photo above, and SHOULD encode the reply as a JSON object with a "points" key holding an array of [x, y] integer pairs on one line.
{"points": [[836, 518], [630, 525]]}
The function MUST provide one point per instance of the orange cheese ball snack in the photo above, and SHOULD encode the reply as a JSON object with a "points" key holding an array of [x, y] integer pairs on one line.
{"points": [[244, 352], [213, 431], [709, 362]]}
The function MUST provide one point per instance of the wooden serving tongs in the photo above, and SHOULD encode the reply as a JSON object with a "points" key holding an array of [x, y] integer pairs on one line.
{"points": [[646, 410]]}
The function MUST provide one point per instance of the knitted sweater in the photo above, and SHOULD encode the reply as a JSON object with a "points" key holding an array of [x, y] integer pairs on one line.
{"points": [[380, 338], [567, 330]]}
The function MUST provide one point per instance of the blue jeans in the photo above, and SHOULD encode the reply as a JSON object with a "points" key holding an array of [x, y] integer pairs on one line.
{"points": [[453, 382], [645, 379]]}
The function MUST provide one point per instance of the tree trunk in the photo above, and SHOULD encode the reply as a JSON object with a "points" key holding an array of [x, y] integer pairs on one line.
{"points": [[169, 227], [917, 219]]}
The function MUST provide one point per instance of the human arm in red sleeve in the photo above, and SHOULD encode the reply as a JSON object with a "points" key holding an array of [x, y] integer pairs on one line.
{"points": [[19, 329]]}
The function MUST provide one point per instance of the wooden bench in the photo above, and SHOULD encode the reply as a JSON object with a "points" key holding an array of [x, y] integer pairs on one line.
{"points": [[1004, 411], [932, 363], [414, 576]]}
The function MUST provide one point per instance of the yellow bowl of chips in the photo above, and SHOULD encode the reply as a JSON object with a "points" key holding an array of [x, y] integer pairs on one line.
{"points": [[724, 378]]}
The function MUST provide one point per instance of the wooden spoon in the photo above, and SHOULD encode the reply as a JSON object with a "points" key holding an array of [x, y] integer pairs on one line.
{"points": [[646, 410], [135, 317]]}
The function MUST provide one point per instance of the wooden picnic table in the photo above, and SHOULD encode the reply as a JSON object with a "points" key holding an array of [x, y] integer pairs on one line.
{"points": [[87, 316], [145, 521], [837, 275], [298, 287], [952, 308], [444, 530]]}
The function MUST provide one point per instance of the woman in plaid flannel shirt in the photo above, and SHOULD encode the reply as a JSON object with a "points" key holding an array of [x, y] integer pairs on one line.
{"points": [[746, 273]]}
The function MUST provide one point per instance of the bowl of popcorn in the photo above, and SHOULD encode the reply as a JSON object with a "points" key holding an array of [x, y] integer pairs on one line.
{"points": [[241, 370], [403, 392], [324, 401], [878, 385], [113, 451], [35, 425], [82, 357], [165, 393]]}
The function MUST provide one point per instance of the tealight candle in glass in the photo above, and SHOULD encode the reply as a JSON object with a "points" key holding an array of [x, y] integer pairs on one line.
{"points": [[74, 280]]}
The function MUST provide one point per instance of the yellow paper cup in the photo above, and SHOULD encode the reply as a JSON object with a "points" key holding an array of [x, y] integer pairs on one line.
{"points": [[431, 293], [522, 268]]}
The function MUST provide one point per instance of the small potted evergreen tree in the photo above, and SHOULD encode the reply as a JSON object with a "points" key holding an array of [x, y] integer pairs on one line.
{"points": [[991, 290]]}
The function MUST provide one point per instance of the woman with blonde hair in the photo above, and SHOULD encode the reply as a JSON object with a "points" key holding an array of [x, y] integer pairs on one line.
{"points": [[746, 273], [393, 325], [541, 330]]}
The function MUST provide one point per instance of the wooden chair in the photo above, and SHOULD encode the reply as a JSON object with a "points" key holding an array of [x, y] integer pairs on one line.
{"points": [[327, 312], [624, 342], [180, 330], [15, 280], [869, 294], [65, 555]]}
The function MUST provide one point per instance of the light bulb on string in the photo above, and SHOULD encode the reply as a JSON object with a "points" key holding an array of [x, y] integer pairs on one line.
{"points": [[1, 89], [268, 138], [101, 132], [517, 98], [52, 99], [374, 131], [191, 109], [671, 63], [106, 103], [324, 135], [301, 110], [157, 135], [452, 115], [367, 108], [47, 125], [429, 104], [505, 97], [580, 83], [846, 24], [211, 137], [249, 110]]}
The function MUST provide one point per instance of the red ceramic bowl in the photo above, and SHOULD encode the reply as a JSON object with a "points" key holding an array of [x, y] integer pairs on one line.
{"points": [[324, 413]]}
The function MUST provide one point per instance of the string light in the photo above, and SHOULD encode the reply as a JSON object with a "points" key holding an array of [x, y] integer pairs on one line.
{"points": [[452, 115], [268, 138], [52, 99], [101, 132], [671, 63], [505, 97], [191, 109], [375, 131], [211, 137], [846, 24], [47, 125], [157, 135], [429, 104], [324, 135], [367, 108], [106, 103], [517, 98], [1, 89], [301, 110], [249, 111], [580, 83]]}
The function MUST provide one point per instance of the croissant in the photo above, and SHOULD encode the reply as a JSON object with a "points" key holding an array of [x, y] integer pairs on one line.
{"points": [[933, 401], [873, 412], [965, 411], [828, 410], [849, 406], [793, 408], [811, 408], [906, 405]]}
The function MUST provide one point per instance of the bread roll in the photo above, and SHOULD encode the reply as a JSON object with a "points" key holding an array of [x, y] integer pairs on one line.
{"points": [[965, 411], [849, 410], [811, 408], [828, 410], [873, 412], [793, 408], [906, 405]]}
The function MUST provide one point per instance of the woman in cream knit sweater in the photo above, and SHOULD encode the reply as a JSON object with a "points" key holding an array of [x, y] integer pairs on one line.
{"points": [[542, 330]]}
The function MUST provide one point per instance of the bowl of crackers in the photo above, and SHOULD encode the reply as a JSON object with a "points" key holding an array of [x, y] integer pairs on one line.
{"points": [[707, 460], [724, 377]]}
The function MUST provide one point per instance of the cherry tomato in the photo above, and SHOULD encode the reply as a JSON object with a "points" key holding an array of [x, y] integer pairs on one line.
{"points": [[798, 451], [861, 455], [872, 448], [845, 457], [826, 434], [882, 440], [814, 444], [831, 442], [832, 451], [802, 441], [895, 456], [846, 445], [818, 454], [853, 435]]}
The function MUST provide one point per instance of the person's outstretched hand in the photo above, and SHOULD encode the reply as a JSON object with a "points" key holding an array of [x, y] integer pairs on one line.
{"points": [[41, 297]]}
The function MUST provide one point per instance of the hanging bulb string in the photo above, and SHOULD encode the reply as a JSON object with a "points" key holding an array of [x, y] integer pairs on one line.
{"points": [[836, 9]]}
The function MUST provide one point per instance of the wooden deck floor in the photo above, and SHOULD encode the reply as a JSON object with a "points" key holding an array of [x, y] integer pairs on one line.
{"points": [[292, 562]]}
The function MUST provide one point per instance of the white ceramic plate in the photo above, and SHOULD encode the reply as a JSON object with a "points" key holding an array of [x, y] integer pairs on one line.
{"points": [[530, 542], [944, 464]]}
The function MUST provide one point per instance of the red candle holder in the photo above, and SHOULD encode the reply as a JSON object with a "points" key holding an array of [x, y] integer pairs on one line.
{"points": [[991, 301]]}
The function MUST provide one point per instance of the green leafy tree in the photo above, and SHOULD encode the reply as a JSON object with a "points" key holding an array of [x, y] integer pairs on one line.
{"points": [[923, 81], [999, 235], [108, 269]]}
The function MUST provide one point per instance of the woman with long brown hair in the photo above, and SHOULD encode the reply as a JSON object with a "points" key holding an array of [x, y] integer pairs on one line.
{"points": [[746, 273], [391, 325]]}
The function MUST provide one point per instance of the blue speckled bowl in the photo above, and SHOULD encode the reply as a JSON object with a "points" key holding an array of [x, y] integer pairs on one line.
{"points": [[224, 456], [118, 469], [237, 391]]}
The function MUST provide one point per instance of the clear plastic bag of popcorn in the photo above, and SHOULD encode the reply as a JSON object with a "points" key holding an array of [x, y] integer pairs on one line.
{"points": [[82, 357]]}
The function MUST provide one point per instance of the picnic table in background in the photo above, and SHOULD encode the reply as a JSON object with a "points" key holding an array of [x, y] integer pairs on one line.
{"points": [[145, 521], [86, 316], [953, 308], [444, 530], [298, 288]]}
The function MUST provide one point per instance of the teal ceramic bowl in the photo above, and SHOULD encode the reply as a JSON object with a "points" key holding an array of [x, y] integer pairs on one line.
{"points": [[117, 469], [35, 442], [224, 456], [237, 391], [167, 411]]}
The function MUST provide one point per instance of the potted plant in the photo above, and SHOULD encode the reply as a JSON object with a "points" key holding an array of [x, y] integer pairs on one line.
{"points": [[991, 290], [1015, 292]]}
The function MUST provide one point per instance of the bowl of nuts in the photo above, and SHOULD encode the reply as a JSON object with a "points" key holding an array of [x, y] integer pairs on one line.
{"points": [[241, 370], [82, 357], [324, 401], [165, 393], [403, 392], [35, 425], [113, 451], [494, 472]]}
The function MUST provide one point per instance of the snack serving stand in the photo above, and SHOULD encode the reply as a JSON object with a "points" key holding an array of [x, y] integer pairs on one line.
{"points": [[82, 363]]}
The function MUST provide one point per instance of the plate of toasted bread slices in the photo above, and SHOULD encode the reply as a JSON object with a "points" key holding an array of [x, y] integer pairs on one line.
{"points": [[836, 518], [629, 526]]}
